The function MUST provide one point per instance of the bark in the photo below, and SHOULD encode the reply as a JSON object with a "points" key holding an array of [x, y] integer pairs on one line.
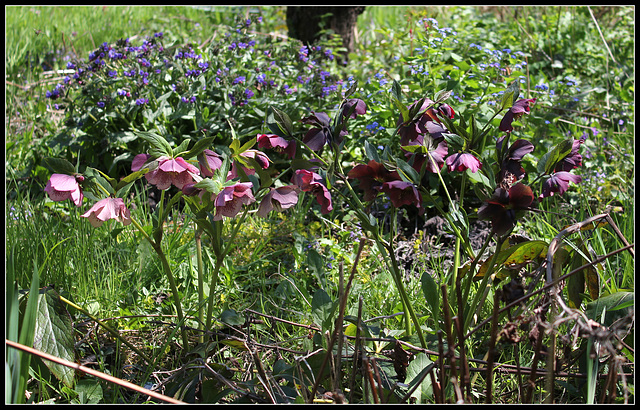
{"points": [[305, 23]]}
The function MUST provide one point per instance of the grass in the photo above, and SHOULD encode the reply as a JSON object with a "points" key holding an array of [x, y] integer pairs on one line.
{"points": [[278, 266]]}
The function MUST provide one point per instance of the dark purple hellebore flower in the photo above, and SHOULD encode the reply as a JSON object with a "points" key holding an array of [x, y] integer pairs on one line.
{"points": [[278, 143], [317, 137], [462, 161], [209, 161], [361, 107], [309, 181], [511, 161], [558, 182], [278, 199], [371, 177], [505, 205], [402, 193], [519, 108], [571, 161], [427, 123]]}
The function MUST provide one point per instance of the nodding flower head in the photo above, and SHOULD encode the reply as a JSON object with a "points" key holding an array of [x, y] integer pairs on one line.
{"points": [[505, 206], [63, 186], [108, 208], [519, 108]]}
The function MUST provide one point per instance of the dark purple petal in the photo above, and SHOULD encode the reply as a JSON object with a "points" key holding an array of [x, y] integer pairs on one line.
{"points": [[558, 182]]}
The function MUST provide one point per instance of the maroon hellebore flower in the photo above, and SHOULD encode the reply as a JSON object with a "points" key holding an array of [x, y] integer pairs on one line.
{"points": [[278, 143], [558, 182], [309, 181], [572, 160], [519, 108], [229, 201], [63, 186], [371, 177], [505, 205], [209, 161], [108, 208], [169, 171], [402, 193], [279, 199], [462, 161]]}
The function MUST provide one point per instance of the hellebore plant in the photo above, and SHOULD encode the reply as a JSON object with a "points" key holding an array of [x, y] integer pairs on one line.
{"points": [[200, 177], [428, 139]]}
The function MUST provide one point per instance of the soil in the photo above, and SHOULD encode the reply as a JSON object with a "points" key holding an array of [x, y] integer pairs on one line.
{"points": [[437, 242]]}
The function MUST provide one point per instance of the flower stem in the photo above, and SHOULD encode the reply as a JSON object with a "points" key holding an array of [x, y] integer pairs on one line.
{"points": [[220, 255], [167, 270], [198, 239]]}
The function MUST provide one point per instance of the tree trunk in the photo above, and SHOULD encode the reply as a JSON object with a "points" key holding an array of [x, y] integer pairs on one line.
{"points": [[304, 23]]}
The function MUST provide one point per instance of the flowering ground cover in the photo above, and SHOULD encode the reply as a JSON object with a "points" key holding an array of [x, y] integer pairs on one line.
{"points": [[218, 213]]}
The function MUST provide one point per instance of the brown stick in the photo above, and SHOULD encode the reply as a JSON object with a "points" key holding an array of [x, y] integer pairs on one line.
{"points": [[492, 346], [92, 372]]}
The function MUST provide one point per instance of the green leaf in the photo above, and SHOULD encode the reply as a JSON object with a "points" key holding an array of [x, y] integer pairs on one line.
{"points": [[417, 374], [519, 254], [616, 304], [371, 151], [316, 265], [431, 294], [547, 163], [283, 122], [510, 95], [232, 318], [54, 334], [59, 166], [442, 95], [351, 89], [158, 146], [408, 173], [198, 147], [322, 310], [180, 149]]}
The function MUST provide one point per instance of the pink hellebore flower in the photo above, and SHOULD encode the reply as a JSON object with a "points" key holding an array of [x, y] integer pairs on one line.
{"points": [[209, 161], [278, 143], [462, 161], [229, 201], [260, 157], [170, 171], [63, 186], [108, 208], [309, 181], [519, 108], [279, 199]]}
